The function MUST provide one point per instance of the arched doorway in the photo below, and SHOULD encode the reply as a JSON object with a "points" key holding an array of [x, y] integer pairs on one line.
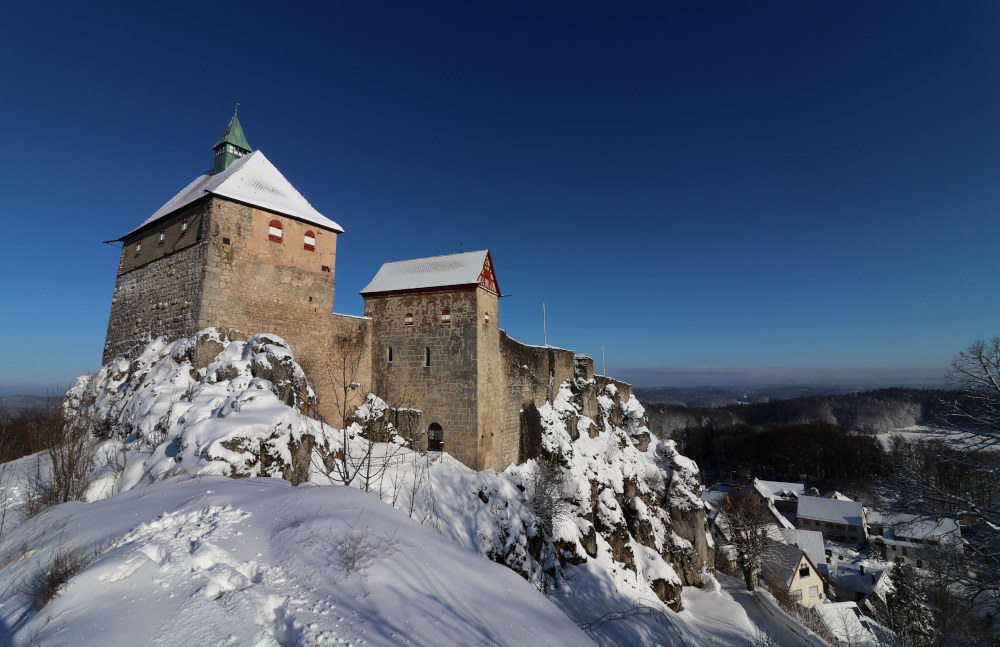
{"points": [[435, 438]]}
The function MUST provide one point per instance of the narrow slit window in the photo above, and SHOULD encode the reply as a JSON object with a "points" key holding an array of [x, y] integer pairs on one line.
{"points": [[163, 236], [274, 231], [446, 316], [427, 356], [388, 354], [138, 248], [408, 319], [309, 242], [184, 226], [487, 318]]}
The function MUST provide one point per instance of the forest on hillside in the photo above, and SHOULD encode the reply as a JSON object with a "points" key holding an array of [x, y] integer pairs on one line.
{"points": [[880, 410], [826, 438]]}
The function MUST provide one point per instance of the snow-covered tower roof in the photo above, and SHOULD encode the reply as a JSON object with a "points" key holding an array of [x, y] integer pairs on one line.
{"points": [[435, 272], [246, 177]]}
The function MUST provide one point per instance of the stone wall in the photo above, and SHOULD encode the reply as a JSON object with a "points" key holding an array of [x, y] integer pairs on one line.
{"points": [[446, 390], [158, 291], [256, 285], [498, 435]]}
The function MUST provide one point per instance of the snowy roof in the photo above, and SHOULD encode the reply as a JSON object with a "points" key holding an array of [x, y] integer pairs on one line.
{"points": [[433, 272], [251, 179], [778, 490], [782, 562], [850, 513], [843, 619], [811, 543], [908, 526]]}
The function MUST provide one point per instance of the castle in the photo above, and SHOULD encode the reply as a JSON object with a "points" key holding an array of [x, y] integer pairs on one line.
{"points": [[240, 249]]}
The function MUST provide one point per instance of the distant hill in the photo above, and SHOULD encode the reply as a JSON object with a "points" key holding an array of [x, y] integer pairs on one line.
{"points": [[15, 403], [720, 396], [875, 410]]}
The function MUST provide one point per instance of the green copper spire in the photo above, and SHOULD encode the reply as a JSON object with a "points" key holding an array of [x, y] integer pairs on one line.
{"points": [[231, 146]]}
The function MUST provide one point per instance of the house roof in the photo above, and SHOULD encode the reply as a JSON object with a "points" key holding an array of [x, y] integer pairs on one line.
{"points": [[850, 513], [783, 562], [811, 543], [452, 270], [251, 179], [904, 527], [779, 490], [843, 620]]}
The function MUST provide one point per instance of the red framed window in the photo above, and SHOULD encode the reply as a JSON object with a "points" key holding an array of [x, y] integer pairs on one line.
{"points": [[309, 242], [487, 317], [408, 319], [184, 226], [274, 231], [163, 236], [138, 248], [446, 316]]}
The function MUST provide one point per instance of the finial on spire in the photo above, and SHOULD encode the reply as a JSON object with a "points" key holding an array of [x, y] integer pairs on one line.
{"points": [[236, 108]]}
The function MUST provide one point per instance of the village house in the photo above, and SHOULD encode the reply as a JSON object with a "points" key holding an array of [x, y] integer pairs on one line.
{"points": [[909, 538], [842, 521], [791, 569], [784, 496]]}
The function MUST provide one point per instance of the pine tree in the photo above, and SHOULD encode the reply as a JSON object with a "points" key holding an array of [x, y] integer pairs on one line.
{"points": [[909, 617]]}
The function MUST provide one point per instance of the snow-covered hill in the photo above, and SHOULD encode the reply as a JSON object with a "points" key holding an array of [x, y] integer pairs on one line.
{"points": [[607, 519]]}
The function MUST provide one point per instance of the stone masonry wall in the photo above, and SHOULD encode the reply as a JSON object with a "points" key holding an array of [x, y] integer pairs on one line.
{"points": [[446, 391], [498, 437], [157, 292], [256, 285], [532, 374]]}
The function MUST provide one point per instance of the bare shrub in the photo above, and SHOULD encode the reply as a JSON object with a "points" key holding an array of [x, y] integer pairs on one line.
{"points": [[45, 585], [71, 450]]}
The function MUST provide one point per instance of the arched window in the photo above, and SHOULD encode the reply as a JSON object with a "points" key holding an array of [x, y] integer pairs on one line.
{"points": [[427, 356], [435, 437], [309, 242], [487, 317], [274, 231], [138, 247], [446, 316], [408, 319]]}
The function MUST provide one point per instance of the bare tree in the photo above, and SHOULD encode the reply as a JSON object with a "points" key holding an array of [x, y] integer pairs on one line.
{"points": [[954, 472], [547, 494], [747, 521]]}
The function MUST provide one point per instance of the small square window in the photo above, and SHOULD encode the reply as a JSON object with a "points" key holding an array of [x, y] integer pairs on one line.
{"points": [[804, 571], [813, 591], [408, 319]]}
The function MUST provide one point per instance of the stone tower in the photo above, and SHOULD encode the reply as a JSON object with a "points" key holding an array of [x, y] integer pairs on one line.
{"points": [[237, 248], [437, 348]]}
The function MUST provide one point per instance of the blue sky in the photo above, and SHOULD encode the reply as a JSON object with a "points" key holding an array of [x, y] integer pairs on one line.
{"points": [[721, 192]]}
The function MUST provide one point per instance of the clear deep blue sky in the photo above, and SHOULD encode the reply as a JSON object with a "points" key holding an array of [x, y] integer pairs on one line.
{"points": [[721, 192]]}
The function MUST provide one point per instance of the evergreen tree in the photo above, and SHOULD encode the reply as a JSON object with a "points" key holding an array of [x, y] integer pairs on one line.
{"points": [[909, 617]]}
